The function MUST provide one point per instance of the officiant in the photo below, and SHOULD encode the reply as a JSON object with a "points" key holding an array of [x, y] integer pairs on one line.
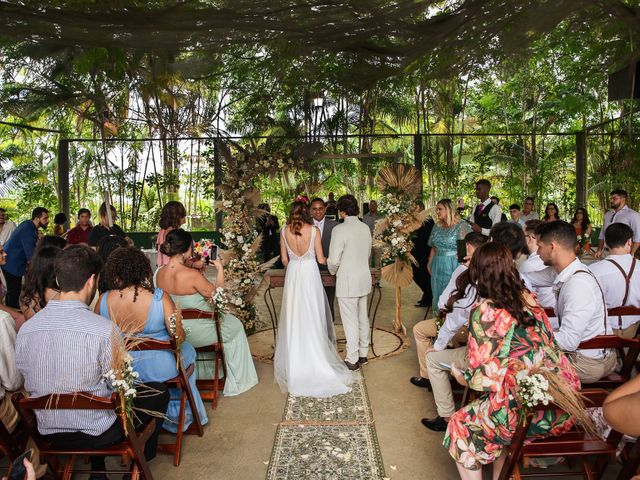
{"points": [[326, 226]]}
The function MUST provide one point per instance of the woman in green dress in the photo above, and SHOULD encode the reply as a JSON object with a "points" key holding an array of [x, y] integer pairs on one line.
{"points": [[189, 288], [443, 259]]}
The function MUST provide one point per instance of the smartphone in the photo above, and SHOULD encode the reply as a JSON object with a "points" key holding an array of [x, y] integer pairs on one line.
{"points": [[214, 253], [461, 248], [18, 471], [446, 366]]}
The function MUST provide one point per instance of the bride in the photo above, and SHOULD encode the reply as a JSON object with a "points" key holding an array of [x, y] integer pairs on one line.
{"points": [[306, 361]]}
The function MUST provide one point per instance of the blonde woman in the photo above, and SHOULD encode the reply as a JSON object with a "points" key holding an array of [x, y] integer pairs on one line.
{"points": [[443, 257]]}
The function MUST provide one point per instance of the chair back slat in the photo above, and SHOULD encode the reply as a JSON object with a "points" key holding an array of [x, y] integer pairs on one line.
{"points": [[66, 401], [625, 311], [194, 313], [609, 341]]}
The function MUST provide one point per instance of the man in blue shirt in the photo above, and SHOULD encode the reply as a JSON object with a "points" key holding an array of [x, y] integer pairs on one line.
{"points": [[19, 249]]}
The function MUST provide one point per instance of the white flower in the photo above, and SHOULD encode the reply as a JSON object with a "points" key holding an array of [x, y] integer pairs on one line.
{"points": [[240, 239]]}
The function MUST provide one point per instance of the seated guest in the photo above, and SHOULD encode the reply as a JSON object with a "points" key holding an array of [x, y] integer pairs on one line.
{"points": [[40, 281], [58, 224], [551, 213], [11, 381], [514, 212], [139, 309], [511, 236], [507, 329], [51, 241], [190, 289], [580, 305], [80, 233], [106, 245], [465, 296], [619, 277], [103, 229], [621, 408], [533, 263], [582, 225], [426, 331], [527, 210], [15, 314], [66, 348]]}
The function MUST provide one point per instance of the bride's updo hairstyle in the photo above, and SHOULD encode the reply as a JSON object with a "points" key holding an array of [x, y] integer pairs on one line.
{"points": [[298, 216], [176, 242]]}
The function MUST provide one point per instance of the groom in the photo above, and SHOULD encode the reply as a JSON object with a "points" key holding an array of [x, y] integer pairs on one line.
{"points": [[349, 254]]}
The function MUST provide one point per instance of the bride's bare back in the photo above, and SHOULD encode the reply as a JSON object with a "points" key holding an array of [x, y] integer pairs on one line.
{"points": [[300, 244]]}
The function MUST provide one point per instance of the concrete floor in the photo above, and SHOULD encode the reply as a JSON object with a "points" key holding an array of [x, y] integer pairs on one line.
{"points": [[238, 440]]}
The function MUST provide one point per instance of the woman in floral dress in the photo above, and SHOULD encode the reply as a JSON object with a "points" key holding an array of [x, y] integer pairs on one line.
{"points": [[508, 331], [443, 258]]}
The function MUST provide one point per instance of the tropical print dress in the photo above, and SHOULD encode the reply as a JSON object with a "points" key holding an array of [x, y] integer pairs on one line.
{"points": [[477, 433]]}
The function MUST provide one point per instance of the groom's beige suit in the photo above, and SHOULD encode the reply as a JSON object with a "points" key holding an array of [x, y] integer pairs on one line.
{"points": [[348, 260]]}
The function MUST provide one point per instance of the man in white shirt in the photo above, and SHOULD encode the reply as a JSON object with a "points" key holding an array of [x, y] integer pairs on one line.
{"points": [[620, 213], [326, 226], [514, 212], [534, 263], [619, 277], [527, 210], [580, 301], [486, 214], [425, 331]]}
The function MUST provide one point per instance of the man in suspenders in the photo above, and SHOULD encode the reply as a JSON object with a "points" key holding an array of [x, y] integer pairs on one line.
{"points": [[580, 304], [619, 276]]}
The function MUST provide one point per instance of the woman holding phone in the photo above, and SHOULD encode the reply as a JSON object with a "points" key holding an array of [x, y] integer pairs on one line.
{"points": [[443, 259]]}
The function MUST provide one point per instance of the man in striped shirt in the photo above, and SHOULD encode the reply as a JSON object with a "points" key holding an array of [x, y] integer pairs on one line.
{"points": [[66, 348]]}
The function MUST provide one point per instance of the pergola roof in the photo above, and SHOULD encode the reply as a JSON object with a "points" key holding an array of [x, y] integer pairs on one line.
{"points": [[382, 37]]}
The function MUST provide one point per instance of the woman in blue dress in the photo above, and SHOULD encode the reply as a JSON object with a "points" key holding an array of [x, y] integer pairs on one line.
{"points": [[137, 308], [443, 260]]}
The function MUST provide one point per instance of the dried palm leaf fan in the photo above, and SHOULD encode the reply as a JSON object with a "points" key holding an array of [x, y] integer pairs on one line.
{"points": [[400, 185]]}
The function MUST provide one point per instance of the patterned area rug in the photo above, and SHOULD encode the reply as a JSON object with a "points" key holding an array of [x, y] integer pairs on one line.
{"points": [[327, 439]]}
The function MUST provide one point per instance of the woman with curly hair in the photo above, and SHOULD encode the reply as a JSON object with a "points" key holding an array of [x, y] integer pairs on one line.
{"points": [[137, 308], [40, 284], [508, 331], [190, 289]]}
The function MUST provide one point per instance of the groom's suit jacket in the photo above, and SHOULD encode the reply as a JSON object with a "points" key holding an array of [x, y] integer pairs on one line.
{"points": [[349, 258]]}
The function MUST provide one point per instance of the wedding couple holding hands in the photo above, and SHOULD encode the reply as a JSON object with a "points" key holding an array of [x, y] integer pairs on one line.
{"points": [[306, 361]]}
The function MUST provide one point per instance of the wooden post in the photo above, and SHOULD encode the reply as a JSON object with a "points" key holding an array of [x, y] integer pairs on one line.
{"points": [[217, 181], [581, 169], [63, 179], [417, 159]]}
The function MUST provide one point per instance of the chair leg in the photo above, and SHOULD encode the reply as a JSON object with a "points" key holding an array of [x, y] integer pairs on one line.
{"points": [[216, 378], [68, 468], [181, 419]]}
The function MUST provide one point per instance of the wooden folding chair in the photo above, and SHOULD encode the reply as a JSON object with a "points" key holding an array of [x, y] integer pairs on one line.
{"points": [[628, 350], [627, 311], [180, 382], [211, 387], [573, 444], [131, 447]]}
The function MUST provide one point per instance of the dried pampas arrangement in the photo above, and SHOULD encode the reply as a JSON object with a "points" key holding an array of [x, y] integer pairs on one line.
{"points": [[400, 187]]}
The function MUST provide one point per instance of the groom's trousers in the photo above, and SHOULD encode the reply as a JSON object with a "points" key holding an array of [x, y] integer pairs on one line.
{"points": [[355, 320]]}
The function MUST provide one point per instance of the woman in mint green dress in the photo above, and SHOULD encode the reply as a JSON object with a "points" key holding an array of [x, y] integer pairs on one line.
{"points": [[443, 259], [190, 289]]}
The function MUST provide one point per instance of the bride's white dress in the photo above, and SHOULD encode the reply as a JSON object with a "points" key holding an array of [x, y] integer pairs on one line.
{"points": [[306, 361]]}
